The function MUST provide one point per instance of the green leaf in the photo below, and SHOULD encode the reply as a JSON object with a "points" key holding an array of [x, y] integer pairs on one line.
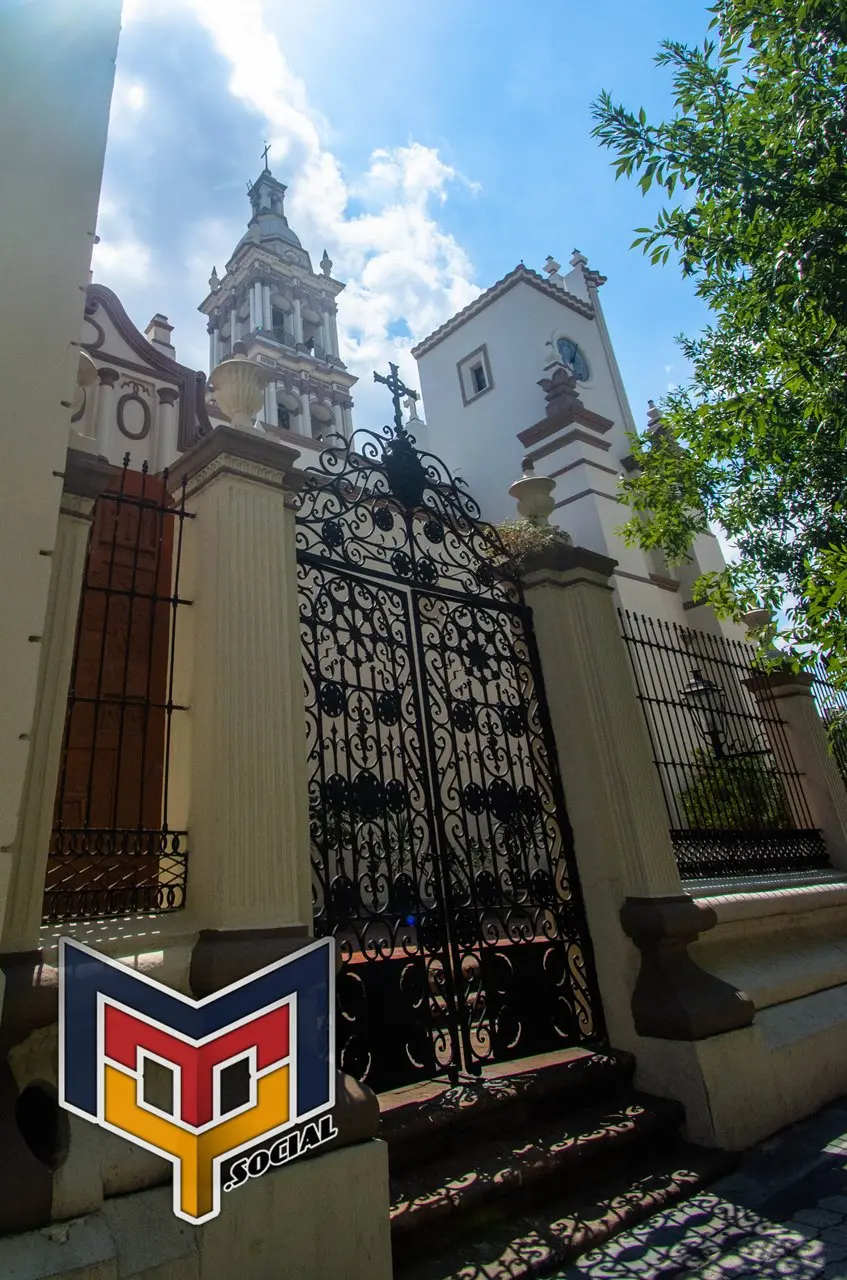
{"points": [[755, 143]]}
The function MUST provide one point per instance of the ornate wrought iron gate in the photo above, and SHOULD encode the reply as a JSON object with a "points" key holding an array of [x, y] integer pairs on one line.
{"points": [[441, 853]]}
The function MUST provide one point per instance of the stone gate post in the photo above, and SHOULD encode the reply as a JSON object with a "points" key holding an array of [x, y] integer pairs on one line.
{"points": [[238, 670], [801, 743], [626, 862]]}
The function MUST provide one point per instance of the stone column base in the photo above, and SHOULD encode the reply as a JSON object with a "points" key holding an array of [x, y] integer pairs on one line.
{"points": [[223, 956], [324, 1218], [674, 999]]}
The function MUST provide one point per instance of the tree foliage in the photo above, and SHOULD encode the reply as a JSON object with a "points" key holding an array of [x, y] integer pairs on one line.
{"points": [[734, 794], [753, 168]]}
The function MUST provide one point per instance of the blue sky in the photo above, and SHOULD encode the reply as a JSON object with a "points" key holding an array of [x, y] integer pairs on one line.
{"points": [[428, 147]]}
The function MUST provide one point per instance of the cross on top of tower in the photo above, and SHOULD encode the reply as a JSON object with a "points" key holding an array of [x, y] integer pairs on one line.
{"points": [[265, 156], [398, 389]]}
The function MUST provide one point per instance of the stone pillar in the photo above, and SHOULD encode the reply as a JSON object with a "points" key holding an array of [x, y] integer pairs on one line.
{"points": [[233, 330], [252, 302], [213, 358], [106, 406], [338, 415], [23, 867], [266, 305], [270, 404], [347, 415], [306, 415], [167, 428], [802, 745], [626, 861], [239, 669], [333, 329], [298, 320]]}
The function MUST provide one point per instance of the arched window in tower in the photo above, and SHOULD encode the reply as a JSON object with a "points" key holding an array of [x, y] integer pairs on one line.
{"points": [[283, 417]]}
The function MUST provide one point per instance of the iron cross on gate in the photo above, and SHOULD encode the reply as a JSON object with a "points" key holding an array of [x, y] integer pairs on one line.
{"points": [[398, 389]]}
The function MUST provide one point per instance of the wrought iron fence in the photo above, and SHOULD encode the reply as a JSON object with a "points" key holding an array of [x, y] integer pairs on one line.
{"points": [[832, 705], [734, 796], [112, 851]]}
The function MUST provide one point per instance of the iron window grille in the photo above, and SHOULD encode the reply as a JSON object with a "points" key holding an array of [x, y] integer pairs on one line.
{"points": [[735, 798], [112, 850]]}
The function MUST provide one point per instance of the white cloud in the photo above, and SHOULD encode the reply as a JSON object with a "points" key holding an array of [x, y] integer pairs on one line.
{"points": [[399, 261], [129, 101], [120, 255]]}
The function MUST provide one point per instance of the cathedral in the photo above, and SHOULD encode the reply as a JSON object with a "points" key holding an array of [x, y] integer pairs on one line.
{"points": [[524, 378]]}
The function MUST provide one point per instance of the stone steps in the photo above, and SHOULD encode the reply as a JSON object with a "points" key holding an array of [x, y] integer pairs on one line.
{"points": [[540, 1243], [513, 1175]]}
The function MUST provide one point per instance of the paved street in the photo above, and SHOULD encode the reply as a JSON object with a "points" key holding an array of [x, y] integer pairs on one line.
{"points": [[782, 1214]]}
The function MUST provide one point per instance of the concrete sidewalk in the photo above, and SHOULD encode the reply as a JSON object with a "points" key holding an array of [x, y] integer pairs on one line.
{"points": [[782, 1214]]}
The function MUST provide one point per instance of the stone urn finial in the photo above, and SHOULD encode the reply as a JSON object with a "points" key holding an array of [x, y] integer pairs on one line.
{"points": [[757, 620], [239, 386], [534, 495]]}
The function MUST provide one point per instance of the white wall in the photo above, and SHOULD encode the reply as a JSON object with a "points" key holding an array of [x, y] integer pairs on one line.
{"points": [[58, 71], [479, 440]]}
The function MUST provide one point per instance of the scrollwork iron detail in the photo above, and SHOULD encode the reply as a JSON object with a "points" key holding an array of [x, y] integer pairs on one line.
{"points": [[441, 852]]}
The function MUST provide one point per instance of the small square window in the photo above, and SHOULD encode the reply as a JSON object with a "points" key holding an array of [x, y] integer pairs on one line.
{"points": [[475, 375]]}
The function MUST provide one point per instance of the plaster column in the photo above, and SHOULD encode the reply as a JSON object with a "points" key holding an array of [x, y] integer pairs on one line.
{"points": [[347, 416], [800, 744], [326, 334], [270, 404], [233, 329], [23, 867], [252, 301], [212, 354], [106, 406], [306, 415], [167, 430], [298, 321], [259, 306], [626, 862], [338, 415], [266, 305], [333, 329], [239, 669]]}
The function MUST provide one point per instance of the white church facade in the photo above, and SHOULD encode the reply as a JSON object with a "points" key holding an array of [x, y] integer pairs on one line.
{"points": [[528, 371]]}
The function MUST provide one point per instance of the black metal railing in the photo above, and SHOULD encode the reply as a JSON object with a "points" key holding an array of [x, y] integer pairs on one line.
{"points": [[285, 337], [735, 798], [113, 851], [832, 706]]}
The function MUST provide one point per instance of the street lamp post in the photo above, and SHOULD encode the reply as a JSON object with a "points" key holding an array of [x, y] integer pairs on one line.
{"points": [[707, 703]]}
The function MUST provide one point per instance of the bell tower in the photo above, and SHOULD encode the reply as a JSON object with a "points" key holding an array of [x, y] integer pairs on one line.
{"points": [[284, 312]]}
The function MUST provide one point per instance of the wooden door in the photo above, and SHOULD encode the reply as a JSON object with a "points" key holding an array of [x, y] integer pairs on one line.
{"points": [[109, 807]]}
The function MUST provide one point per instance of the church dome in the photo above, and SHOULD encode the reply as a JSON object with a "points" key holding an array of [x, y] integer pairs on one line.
{"points": [[268, 227]]}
